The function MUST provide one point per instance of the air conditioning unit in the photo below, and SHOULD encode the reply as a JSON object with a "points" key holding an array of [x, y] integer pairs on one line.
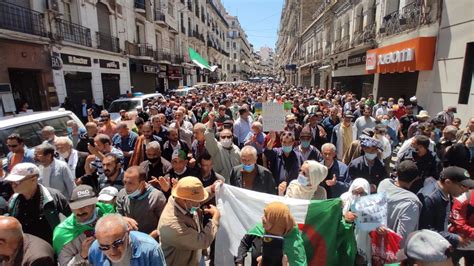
{"points": [[52, 5]]}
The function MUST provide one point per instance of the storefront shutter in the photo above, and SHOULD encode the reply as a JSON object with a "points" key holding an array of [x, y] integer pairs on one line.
{"points": [[398, 85]]}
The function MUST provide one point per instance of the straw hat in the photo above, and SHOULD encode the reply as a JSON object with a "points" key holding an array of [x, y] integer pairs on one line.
{"points": [[190, 188]]}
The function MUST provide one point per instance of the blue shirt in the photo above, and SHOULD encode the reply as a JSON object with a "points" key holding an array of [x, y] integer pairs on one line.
{"points": [[242, 129], [145, 251], [126, 144]]}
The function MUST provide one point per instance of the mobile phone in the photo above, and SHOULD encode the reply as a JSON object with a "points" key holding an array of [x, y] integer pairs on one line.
{"points": [[272, 250], [91, 142], [89, 233]]}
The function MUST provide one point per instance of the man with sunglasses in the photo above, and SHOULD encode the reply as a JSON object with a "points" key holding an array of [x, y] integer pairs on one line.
{"points": [[37, 207], [19, 153], [109, 128], [116, 245], [436, 198]]}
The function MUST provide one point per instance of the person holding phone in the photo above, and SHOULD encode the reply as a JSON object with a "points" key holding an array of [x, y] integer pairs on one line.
{"points": [[276, 236]]}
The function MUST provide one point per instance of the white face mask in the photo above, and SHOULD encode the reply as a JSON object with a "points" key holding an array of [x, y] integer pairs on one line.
{"points": [[64, 155], [226, 143]]}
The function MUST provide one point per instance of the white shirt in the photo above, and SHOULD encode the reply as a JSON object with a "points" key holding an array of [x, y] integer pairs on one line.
{"points": [[45, 174]]}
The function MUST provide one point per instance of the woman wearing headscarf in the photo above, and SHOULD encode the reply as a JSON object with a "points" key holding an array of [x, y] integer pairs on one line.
{"points": [[360, 187], [277, 220], [306, 186]]}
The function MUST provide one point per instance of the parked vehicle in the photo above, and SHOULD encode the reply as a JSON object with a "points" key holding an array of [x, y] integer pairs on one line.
{"points": [[131, 103]]}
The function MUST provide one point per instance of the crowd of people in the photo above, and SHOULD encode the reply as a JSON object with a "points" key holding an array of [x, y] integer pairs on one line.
{"points": [[141, 190]]}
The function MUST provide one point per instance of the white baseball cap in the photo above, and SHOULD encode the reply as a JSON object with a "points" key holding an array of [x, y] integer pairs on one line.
{"points": [[107, 194], [21, 171]]}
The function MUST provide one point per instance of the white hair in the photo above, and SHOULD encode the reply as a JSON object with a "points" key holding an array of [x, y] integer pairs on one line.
{"points": [[153, 145], [110, 221], [328, 145], [249, 150], [63, 140], [48, 129]]}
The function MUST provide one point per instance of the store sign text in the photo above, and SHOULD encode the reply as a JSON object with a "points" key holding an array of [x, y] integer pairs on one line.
{"points": [[405, 55], [76, 60]]}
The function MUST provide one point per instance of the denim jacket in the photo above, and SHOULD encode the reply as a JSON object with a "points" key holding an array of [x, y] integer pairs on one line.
{"points": [[145, 251]]}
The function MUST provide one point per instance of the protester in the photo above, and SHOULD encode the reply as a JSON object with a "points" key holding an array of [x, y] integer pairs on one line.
{"points": [[18, 152], [88, 137], [207, 174], [18, 248], [115, 244], [336, 181], [428, 248], [365, 121], [113, 172], [284, 162], [308, 151], [343, 134], [173, 143], [278, 221], [73, 131], [306, 186], [102, 146], [242, 125], [108, 195], [48, 134], [37, 207], [125, 141], [155, 165], [109, 128], [75, 159], [184, 128], [139, 151]]}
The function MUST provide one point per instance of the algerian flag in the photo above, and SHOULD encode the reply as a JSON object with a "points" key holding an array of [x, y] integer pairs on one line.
{"points": [[327, 239], [198, 60]]}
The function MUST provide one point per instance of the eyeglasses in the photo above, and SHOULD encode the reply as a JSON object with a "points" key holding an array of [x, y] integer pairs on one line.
{"points": [[104, 116], [116, 244], [12, 146], [226, 137]]}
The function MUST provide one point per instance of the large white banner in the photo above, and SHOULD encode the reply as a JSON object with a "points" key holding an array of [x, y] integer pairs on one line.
{"points": [[273, 116]]}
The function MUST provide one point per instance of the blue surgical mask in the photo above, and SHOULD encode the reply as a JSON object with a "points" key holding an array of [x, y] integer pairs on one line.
{"points": [[370, 156], [384, 122], [192, 210], [305, 143], [303, 180], [92, 219], [69, 130], [286, 149], [248, 167], [135, 193]]}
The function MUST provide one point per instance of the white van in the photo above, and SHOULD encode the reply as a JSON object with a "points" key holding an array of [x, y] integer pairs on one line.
{"points": [[29, 126], [130, 104]]}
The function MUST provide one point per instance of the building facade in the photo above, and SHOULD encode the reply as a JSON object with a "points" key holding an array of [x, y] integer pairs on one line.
{"points": [[240, 51], [391, 48]]}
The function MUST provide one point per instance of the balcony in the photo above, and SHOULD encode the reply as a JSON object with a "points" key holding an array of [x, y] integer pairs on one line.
{"points": [[160, 17], [20, 19], [177, 59], [71, 32], [107, 42], [140, 4], [409, 17], [145, 49], [161, 55]]}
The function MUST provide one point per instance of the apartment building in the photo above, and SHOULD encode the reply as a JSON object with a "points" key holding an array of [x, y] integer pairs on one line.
{"points": [[240, 51]]}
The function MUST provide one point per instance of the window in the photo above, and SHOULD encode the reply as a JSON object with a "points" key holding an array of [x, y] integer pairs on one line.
{"points": [[228, 45], [159, 40], [228, 67], [234, 45], [467, 74], [67, 12], [171, 8], [235, 56], [172, 45]]}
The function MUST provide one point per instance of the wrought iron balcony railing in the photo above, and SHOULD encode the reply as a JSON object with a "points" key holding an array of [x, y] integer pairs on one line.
{"points": [[145, 49], [72, 32], [159, 15], [161, 55], [107, 42], [409, 17], [17, 18], [140, 4]]}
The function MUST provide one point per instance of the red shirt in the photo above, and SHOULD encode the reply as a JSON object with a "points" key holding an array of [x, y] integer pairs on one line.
{"points": [[462, 208]]}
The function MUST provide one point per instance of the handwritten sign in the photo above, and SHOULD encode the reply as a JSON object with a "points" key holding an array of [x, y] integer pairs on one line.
{"points": [[371, 211], [273, 116]]}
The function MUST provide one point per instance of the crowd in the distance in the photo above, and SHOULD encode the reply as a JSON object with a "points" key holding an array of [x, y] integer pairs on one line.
{"points": [[140, 191]]}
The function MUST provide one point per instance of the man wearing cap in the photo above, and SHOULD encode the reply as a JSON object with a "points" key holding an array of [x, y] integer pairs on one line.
{"points": [[292, 126], [422, 117], [436, 199], [179, 169], [37, 207], [403, 206], [308, 151], [18, 248], [368, 166], [182, 233], [428, 248], [414, 103], [344, 134], [108, 195], [73, 237], [140, 201]]}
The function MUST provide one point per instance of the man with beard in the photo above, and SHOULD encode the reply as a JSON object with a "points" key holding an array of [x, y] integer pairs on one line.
{"points": [[207, 174], [139, 155], [113, 172], [156, 165], [173, 143], [179, 162], [115, 244], [73, 237], [319, 136], [17, 248], [88, 137]]}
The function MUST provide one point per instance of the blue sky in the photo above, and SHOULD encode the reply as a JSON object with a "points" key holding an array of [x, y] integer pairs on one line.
{"points": [[259, 18]]}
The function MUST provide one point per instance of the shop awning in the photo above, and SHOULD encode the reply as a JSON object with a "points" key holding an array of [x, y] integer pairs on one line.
{"points": [[199, 61]]}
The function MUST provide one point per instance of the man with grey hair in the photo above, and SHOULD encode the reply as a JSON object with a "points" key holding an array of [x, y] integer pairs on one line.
{"points": [[446, 142], [53, 172], [116, 245], [17, 248], [73, 131], [155, 165], [48, 134], [75, 159], [124, 140], [250, 175], [336, 182]]}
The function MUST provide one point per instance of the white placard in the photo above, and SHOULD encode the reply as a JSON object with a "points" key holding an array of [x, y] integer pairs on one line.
{"points": [[273, 116], [371, 211]]}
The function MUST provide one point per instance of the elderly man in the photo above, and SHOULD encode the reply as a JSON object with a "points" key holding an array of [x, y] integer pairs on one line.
{"points": [[225, 154], [336, 182], [88, 137], [139, 155], [75, 160], [17, 248], [140, 201], [155, 165], [73, 237], [48, 135], [185, 128], [198, 147], [125, 141], [73, 131], [181, 227], [37, 207], [53, 172], [284, 162], [116, 245], [250, 175], [368, 166], [344, 134], [308, 151], [19, 153]]}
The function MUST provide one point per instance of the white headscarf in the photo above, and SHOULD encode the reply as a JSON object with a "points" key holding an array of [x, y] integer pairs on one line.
{"points": [[348, 198], [317, 173]]}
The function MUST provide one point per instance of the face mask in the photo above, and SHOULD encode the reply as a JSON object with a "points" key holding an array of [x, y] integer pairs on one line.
{"points": [[154, 160], [286, 149], [69, 130], [390, 104], [135, 193], [192, 210], [226, 143], [64, 155], [303, 180], [91, 220], [248, 167], [291, 125], [370, 156], [384, 122], [305, 143], [400, 104]]}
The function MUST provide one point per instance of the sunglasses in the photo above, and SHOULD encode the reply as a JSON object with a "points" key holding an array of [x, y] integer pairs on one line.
{"points": [[226, 137], [104, 116], [116, 244], [12, 146]]}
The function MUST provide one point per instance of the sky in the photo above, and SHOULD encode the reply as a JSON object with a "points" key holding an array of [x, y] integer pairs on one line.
{"points": [[259, 19]]}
